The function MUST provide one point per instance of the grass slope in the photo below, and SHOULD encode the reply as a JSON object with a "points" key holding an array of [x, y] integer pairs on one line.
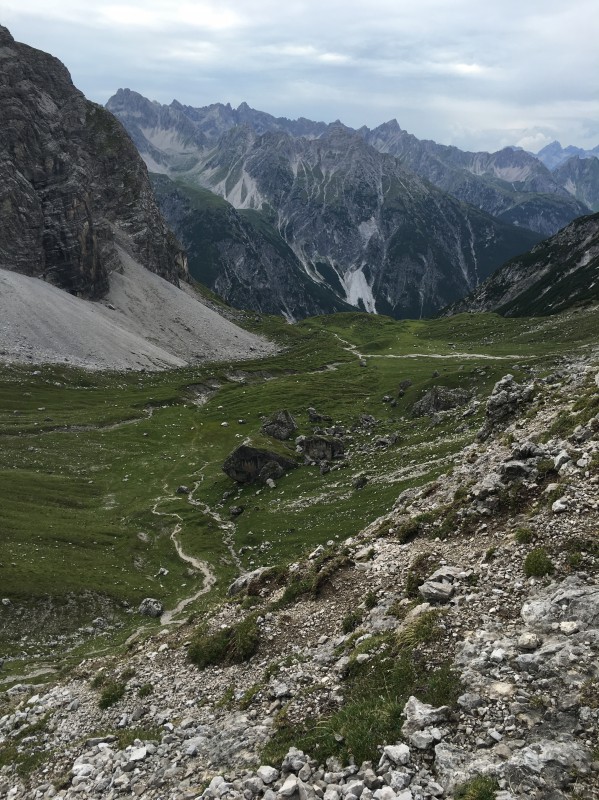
{"points": [[90, 463]]}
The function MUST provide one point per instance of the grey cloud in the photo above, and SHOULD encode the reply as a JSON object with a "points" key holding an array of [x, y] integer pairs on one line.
{"points": [[459, 72]]}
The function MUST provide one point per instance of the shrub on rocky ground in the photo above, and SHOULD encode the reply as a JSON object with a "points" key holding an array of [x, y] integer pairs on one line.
{"points": [[231, 645], [537, 563], [479, 788], [113, 691]]}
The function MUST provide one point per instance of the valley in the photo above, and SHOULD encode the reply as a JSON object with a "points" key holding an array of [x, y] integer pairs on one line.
{"points": [[115, 492], [255, 543]]}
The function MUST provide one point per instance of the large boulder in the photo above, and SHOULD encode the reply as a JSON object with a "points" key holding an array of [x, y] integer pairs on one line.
{"points": [[321, 448], [505, 401], [440, 398], [150, 607], [572, 600], [249, 464], [281, 425]]}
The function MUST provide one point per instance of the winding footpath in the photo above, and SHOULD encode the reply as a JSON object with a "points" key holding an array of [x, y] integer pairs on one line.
{"points": [[168, 617]]}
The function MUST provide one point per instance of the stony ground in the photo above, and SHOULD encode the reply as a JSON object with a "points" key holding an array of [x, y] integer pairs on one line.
{"points": [[505, 550], [143, 323]]}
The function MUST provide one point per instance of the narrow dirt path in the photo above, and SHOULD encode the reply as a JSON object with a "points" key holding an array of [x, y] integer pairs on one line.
{"points": [[227, 527], [351, 348], [167, 617]]}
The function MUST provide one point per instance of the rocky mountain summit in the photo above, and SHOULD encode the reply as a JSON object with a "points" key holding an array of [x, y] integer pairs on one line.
{"points": [[510, 184], [554, 155], [73, 186], [556, 274], [448, 650]]}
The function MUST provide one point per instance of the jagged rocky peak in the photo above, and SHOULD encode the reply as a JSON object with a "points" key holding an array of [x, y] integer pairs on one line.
{"points": [[73, 188]]}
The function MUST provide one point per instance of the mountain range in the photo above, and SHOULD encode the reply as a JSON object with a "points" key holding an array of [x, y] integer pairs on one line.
{"points": [[322, 217]]}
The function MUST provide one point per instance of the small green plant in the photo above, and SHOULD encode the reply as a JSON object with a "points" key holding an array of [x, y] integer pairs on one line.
{"points": [[414, 527], [127, 674], [98, 680], [351, 621], [226, 700], [145, 690], [421, 566], [231, 645], [523, 535], [113, 691], [537, 563], [490, 555], [249, 695], [370, 600], [423, 629], [545, 468], [480, 788], [590, 693]]}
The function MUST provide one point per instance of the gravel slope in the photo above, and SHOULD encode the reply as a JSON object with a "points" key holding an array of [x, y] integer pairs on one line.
{"points": [[152, 325]]}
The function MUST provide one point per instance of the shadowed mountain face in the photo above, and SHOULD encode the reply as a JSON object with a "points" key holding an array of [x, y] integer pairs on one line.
{"points": [[558, 273], [72, 185], [364, 229]]}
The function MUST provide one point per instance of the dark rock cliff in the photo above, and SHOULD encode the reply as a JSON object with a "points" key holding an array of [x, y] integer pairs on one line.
{"points": [[72, 185], [556, 274]]}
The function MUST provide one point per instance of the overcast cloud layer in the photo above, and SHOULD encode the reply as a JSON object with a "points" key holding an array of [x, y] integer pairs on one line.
{"points": [[463, 72]]}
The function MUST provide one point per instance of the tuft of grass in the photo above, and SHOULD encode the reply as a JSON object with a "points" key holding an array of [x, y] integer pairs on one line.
{"points": [[423, 629], [351, 621], [111, 694], [370, 600], [231, 645], [479, 788], [145, 690], [537, 563], [523, 535], [376, 692], [422, 566]]}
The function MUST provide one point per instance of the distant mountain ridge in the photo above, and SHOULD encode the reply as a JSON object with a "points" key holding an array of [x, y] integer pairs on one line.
{"points": [[553, 154], [510, 184], [364, 226]]}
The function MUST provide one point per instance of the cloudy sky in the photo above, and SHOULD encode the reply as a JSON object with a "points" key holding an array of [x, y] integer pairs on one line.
{"points": [[475, 74]]}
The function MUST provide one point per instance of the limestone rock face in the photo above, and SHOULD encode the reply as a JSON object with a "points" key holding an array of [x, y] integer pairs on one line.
{"points": [[72, 186]]}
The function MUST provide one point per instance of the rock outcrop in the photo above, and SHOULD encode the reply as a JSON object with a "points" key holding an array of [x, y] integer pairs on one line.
{"points": [[249, 464], [72, 185]]}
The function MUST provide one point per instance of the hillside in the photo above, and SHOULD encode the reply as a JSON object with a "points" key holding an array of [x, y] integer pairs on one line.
{"points": [[452, 471], [557, 274], [80, 223]]}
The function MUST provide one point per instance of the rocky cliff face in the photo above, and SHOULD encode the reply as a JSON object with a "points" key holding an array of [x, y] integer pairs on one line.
{"points": [[511, 184], [240, 255], [553, 154], [376, 234], [556, 274], [580, 177], [72, 185]]}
